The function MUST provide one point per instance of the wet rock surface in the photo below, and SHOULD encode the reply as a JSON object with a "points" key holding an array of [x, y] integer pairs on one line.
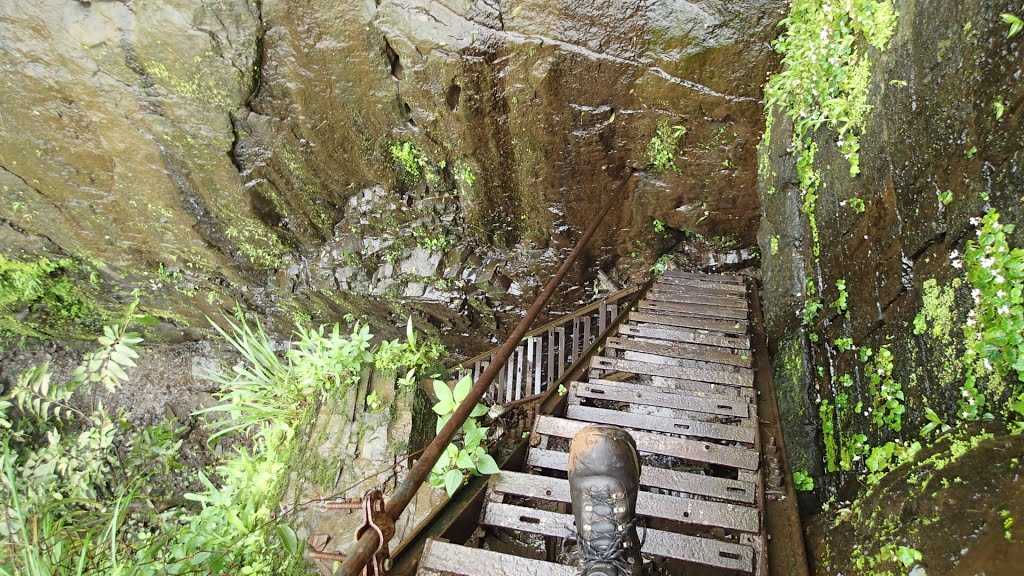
{"points": [[935, 155], [213, 152], [932, 128]]}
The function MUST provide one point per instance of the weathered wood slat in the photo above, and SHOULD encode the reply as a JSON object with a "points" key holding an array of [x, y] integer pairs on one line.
{"points": [[651, 477], [652, 308], [686, 510], [687, 386], [443, 557], [656, 542], [727, 287], [651, 443], [686, 336], [717, 278], [699, 299], [693, 352], [731, 327], [699, 311], [669, 371], [652, 396], [740, 376], [702, 310], [677, 425]]}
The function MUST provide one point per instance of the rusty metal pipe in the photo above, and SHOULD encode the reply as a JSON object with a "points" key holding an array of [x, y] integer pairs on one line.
{"points": [[406, 491]]}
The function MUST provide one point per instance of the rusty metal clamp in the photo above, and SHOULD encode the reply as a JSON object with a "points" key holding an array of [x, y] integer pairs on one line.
{"points": [[374, 518]]}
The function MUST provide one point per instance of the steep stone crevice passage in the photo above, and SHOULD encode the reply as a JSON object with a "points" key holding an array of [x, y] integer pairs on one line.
{"points": [[681, 375]]}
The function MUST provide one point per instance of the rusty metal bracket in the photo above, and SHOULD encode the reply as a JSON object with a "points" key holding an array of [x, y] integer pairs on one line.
{"points": [[375, 518]]}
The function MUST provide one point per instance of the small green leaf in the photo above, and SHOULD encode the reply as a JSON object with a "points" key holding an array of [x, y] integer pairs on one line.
{"points": [[487, 465], [908, 556], [478, 411], [462, 388], [465, 460], [452, 481], [443, 392], [288, 538], [1016, 24]]}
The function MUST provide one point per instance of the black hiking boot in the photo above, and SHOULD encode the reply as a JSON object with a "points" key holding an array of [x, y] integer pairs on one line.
{"points": [[604, 479]]}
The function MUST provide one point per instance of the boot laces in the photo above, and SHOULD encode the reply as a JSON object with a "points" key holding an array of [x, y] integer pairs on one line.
{"points": [[612, 549]]}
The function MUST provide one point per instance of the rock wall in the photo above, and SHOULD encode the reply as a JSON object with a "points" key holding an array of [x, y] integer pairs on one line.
{"points": [[942, 146], [213, 151]]}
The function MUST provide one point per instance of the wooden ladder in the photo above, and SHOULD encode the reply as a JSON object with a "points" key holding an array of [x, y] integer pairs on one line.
{"points": [[678, 376]]}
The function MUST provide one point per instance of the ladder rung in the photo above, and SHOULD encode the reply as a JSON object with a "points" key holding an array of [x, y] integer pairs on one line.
{"points": [[651, 443], [685, 510]]}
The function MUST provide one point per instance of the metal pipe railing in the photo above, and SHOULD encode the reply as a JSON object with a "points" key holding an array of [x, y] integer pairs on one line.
{"points": [[368, 543]]}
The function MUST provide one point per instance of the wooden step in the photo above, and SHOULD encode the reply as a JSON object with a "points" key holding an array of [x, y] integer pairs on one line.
{"points": [[660, 478], [648, 442], [735, 406], [730, 327], [675, 425], [444, 558], [737, 376], [696, 353], [690, 387], [686, 336], [656, 542], [726, 287], [723, 278], [669, 371], [649, 504], [699, 310], [700, 299]]}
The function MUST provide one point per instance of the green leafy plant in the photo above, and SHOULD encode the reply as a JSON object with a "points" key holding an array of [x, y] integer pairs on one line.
{"points": [[414, 354], [457, 462], [410, 159], [841, 302], [886, 393], [659, 226], [1015, 23], [946, 197], [661, 264], [802, 481], [994, 330], [661, 150]]}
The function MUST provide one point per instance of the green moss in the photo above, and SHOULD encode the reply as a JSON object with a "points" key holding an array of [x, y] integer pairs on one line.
{"points": [[38, 298], [936, 322], [824, 81], [259, 245], [828, 433], [661, 150]]}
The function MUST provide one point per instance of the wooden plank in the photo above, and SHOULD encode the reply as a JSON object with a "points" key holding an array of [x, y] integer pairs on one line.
{"points": [[647, 307], [669, 371], [563, 357], [690, 387], [649, 504], [659, 444], [722, 278], [707, 340], [726, 358], [675, 425], [552, 356], [702, 299], [725, 287], [656, 542], [732, 327], [587, 321], [575, 339], [602, 317], [661, 478], [695, 291], [529, 354], [738, 376], [538, 365], [446, 558], [703, 310], [652, 396]]}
